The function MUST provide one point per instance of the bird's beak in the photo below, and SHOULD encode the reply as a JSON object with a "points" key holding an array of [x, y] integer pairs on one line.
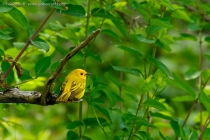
{"points": [[88, 73]]}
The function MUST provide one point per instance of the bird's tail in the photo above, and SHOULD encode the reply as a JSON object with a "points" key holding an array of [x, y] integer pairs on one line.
{"points": [[62, 98]]}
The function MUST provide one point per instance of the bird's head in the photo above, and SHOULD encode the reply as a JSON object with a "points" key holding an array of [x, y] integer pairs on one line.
{"points": [[81, 73]]}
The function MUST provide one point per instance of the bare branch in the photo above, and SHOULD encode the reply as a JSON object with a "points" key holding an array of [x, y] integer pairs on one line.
{"points": [[31, 97], [63, 62]]}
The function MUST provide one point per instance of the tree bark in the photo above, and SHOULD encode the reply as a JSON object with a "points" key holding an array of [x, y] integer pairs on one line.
{"points": [[15, 95]]}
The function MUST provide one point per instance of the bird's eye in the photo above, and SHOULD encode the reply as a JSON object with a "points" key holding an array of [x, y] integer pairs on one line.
{"points": [[81, 73]]}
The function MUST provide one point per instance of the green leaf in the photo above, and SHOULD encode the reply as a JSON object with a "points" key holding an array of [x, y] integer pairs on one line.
{"points": [[74, 124], [142, 10], [194, 25], [79, 55], [95, 94], [207, 56], [2, 52], [71, 117], [25, 77], [192, 73], [122, 125], [207, 39], [41, 44], [120, 27], [74, 10], [5, 28], [186, 37], [167, 3], [153, 29], [54, 66], [91, 29], [20, 19], [99, 12], [141, 121], [163, 43], [97, 101], [163, 138], [144, 135], [93, 121], [131, 50], [95, 56], [203, 98], [154, 104], [185, 86], [56, 26], [114, 80], [205, 75], [177, 128], [162, 22], [178, 82], [181, 14], [4, 67], [115, 115], [111, 33], [193, 135], [19, 45], [159, 115], [135, 72], [71, 135], [24, 71], [111, 99], [183, 98], [117, 97], [160, 65], [103, 110], [141, 38], [5, 7], [109, 7], [5, 36], [206, 134], [42, 65]]}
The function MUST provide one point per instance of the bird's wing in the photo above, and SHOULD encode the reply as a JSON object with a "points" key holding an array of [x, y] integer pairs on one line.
{"points": [[64, 91], [77, 90]]}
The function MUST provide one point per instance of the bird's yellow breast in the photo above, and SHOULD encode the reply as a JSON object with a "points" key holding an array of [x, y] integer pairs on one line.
{"points": [[73, 87]]}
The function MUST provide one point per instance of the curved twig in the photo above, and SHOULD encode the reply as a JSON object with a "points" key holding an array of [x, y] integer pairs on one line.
{"points": [[63, 61]]}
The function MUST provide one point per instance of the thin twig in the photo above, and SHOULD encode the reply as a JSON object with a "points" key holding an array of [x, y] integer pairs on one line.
{"points": [[204, 85], [50, 81], [124, 56], [204, 127], [137, 111], [191, 109], [100, 123], [200, 68], [26, 45]]}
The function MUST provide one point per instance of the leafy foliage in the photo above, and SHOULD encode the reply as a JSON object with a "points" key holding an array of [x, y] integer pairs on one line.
{"points": [[149, 65]]}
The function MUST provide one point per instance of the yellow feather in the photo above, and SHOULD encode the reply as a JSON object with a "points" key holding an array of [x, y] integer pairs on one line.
{"points": [[73, 87]]}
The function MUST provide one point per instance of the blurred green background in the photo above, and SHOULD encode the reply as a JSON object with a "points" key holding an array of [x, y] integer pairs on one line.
{"points": [[179, 42]]}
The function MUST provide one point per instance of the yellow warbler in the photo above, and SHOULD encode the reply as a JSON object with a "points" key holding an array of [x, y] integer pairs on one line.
{"points": [[73, 87]]}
